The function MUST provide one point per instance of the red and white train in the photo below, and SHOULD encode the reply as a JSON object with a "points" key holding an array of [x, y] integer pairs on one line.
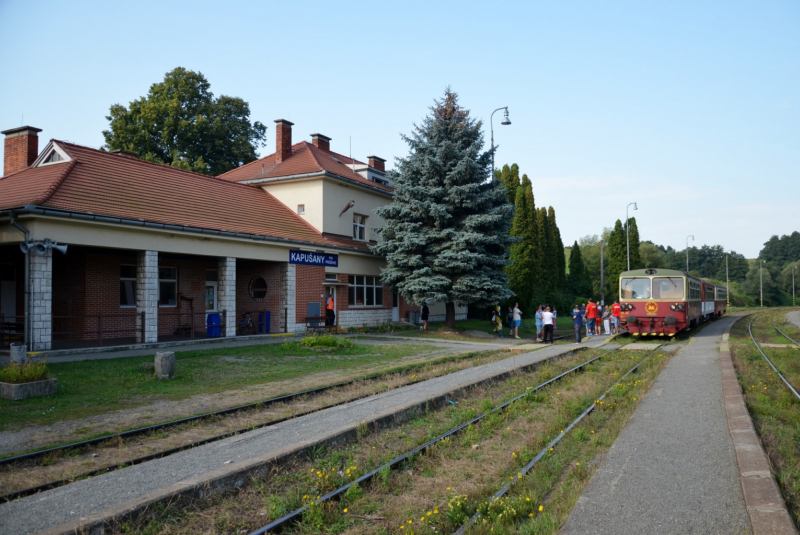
{"points": [[663, 302]]}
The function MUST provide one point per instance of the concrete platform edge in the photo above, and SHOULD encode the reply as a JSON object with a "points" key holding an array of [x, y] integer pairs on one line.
{"points": [[762, 497], [236, 475]]}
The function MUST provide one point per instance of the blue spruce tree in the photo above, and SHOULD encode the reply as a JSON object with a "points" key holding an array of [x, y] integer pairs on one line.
{"points": [[446, 237]]}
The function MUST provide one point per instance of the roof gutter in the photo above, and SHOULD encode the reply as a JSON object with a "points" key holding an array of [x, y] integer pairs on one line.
{"points": [[69, 214], [323, 173]]}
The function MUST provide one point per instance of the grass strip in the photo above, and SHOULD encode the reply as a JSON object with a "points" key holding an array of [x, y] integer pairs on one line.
{"points": [[773, 408]]}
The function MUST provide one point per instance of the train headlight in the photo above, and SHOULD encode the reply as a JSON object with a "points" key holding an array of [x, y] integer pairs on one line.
{"points": [[680, 307], [673, 307]]}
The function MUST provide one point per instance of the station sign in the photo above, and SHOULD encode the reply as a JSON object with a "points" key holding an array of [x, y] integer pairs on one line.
{"points": [[313, 259]]}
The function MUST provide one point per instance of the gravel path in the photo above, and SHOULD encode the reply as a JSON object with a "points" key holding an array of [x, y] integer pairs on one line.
{"points": [[794, 317], [673, 468]]}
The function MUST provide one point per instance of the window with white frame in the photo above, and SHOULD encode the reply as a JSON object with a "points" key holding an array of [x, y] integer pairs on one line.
{"points": [[301, 209], [359, 227], [331, 277], [127, 286], [167, 286], [365, 291]]}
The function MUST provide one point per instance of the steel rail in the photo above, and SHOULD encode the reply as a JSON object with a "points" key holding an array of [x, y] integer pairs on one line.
{"points": [[783, 333], [785, 381], [262, 403], [527, 468], [164, 453], [276, 524]]}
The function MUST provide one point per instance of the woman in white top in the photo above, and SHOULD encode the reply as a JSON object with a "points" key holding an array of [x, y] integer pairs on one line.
{"points": [[547, 319]]}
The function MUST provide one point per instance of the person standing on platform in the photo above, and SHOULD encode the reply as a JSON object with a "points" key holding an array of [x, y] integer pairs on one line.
{"points": [[539, 323], [547, 319], [591, 317], [424, 316], [615, 310], [497, 321], [577, 320], [330, 315], [517, 318], [607, 321], [598, 319]]}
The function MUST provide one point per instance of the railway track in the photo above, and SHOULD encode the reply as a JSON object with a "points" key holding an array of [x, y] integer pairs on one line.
{"points": [[286, 520], [764, 355], [259, 405]]}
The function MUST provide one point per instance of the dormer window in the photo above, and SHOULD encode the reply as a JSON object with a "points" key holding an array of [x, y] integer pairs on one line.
{"points": [[53, 158]]}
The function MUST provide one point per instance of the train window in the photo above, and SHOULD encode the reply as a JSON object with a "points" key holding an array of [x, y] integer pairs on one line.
{"points": [[694, 290], [709, 293], [667, 288], [634, 288]]}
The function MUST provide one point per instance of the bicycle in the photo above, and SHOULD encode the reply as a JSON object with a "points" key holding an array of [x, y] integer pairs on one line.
{"points": [[246, 325]]}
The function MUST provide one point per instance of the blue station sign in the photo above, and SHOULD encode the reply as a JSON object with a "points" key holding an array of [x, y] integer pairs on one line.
{"points": [[313, 259]]}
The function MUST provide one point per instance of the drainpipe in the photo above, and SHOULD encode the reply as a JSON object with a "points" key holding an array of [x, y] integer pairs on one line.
{"points": [[27, 234]]}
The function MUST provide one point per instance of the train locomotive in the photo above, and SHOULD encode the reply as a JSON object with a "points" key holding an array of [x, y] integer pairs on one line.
{"points": [[663, 302]]}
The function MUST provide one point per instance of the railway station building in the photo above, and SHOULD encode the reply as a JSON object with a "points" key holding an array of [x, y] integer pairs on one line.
{"points": [[156, 254]]}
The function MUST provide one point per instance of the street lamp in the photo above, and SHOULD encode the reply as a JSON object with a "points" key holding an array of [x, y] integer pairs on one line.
{"points": [[628, 232], [506, 122], [687, 251], [603, 245], [793, 268], [727, 283], [761, 281]]}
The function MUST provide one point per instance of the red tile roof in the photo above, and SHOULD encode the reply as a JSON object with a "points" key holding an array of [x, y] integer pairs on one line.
{"points": [[115, 185], [305, 159]]}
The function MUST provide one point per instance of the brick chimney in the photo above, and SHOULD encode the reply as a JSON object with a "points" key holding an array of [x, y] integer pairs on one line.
{"points": [[21, 148], [283, 140], [377, 163], [323, 142]]}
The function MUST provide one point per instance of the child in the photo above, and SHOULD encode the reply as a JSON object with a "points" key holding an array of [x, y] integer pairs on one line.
{"points": [[498, 321]]}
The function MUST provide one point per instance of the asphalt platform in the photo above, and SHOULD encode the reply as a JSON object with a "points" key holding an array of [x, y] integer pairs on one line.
{"points": [[79, 504], [673, 468]]}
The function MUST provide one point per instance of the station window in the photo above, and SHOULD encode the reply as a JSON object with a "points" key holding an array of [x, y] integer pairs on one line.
{"points": [[359, 227], [258, 288], [331, 277], [167, 287], [127, 286], [301, 209], [364, 291]]}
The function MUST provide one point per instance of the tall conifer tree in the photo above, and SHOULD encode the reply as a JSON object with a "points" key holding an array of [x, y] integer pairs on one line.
{"points": [[522, 271], [578, 281], [636, 257], [446, 237], [509, 177], [617, 260], [559, 260]]}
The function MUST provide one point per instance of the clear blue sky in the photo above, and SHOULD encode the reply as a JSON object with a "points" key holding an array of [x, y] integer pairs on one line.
{"points": [[691, 109]]}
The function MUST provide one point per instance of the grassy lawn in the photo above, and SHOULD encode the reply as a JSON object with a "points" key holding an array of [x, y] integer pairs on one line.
{"points": [[95, 387]]}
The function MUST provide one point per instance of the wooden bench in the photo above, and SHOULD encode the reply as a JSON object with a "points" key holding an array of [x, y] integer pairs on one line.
{"points": [[317, 323]]}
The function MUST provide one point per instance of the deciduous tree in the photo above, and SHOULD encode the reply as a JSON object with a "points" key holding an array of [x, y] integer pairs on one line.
{"points": [[180, 123]]}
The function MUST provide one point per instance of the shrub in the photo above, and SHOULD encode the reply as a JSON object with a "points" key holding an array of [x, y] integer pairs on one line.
{"points": [[23, 373], [327, 340]]}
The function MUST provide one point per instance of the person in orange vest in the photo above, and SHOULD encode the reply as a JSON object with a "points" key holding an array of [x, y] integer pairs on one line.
{"points": [[330, 315]]}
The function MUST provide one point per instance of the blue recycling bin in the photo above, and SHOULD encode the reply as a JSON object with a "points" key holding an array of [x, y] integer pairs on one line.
{"points": [[213, 325], [263, 321]]}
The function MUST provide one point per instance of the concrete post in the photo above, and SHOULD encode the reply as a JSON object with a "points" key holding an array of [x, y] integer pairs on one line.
{"points": [[288, 298], [147, 296], [41, 294], [226, 292], [165, 365]]}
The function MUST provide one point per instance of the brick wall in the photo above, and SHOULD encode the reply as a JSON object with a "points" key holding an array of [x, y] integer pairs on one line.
{"points": [[246, 270], [309, 287]]}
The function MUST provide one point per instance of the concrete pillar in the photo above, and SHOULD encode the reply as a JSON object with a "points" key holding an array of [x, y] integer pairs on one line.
{"points": [[226, 292], [288, 298], [147, 296], [41, 307]]}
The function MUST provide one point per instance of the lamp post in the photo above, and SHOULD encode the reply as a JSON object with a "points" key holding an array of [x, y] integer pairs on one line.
{"points": [[687, 250], [628, 232], [602, 275], [727, 283], [793, 301], [506, 121], [761, 280]]}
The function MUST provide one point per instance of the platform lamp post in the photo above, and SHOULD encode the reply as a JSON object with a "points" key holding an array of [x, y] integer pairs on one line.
{"points": [[602, 275], [761, 281], [687, 250], [506, 121], [793, 300], [628, 232]]}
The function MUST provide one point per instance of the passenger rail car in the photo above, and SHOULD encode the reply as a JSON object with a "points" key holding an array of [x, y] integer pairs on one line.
{"points": [[663, 302]]}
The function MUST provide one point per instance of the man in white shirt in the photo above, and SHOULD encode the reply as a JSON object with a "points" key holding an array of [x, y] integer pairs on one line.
{"points": [[547, 319], [517, 319]]}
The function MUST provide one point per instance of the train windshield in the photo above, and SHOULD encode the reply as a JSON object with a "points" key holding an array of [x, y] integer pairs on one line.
{"points": [[634, 288], [667, 288]]}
